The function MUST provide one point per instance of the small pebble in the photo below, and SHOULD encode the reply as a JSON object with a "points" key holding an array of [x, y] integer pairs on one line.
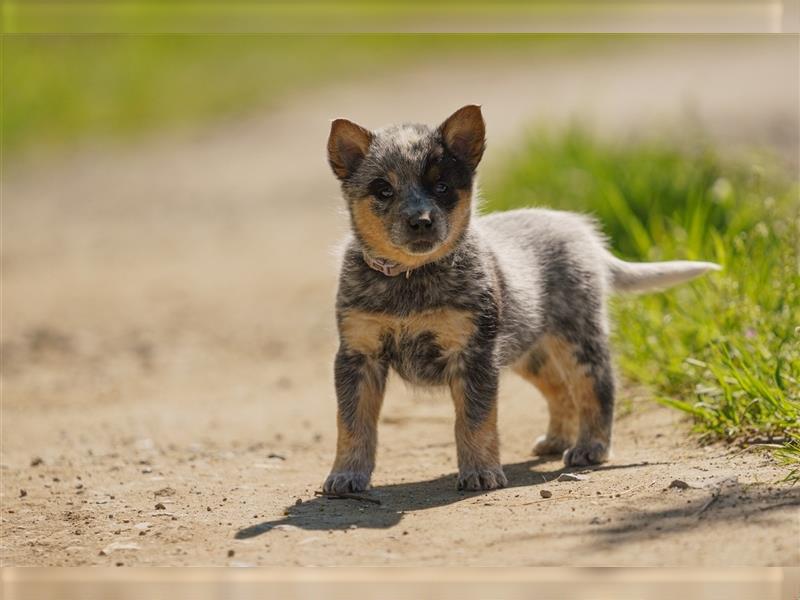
{"points": [[231, 553], [36, 461], [572, 477], [160, 506], [679, 484], [545, 493], [23, 493]]}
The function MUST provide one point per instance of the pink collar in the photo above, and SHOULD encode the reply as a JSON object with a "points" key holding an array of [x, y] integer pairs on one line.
{"points": [[388, 267]]}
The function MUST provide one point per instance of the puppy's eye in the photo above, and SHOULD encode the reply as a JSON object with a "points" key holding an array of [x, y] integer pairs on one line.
{"points": [[381, 189], [440, 188]]}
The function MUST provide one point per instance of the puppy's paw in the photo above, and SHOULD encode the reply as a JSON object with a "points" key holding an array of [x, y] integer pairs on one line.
{"points": [[474, 480], [344, 482], [586, 454], [549, 446]]}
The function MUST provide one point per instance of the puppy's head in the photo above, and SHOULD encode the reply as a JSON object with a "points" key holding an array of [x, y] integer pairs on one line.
{"points": [[409, 187]]}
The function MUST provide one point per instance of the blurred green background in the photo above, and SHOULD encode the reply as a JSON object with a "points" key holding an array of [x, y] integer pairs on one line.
{"points": [[62, 89]]}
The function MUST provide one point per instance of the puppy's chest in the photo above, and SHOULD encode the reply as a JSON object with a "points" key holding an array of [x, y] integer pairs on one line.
{"points": [[422, 347]]}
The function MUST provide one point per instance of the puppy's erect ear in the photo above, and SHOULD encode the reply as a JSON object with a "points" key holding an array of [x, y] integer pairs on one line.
{"points": [[464, 134], [347, 145]]}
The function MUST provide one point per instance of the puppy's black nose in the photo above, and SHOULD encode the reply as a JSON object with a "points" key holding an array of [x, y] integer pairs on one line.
{"points": [[420, 221]]}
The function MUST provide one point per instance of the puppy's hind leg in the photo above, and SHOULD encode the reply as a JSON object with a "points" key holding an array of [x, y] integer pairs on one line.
{"points": [[544, 372], [587, 368]]}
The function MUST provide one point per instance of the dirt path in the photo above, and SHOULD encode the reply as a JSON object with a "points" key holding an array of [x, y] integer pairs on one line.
{"points": [[168, 333]]}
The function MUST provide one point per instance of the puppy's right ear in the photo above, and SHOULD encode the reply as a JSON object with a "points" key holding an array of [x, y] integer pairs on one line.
{"points": [[347, 145]]}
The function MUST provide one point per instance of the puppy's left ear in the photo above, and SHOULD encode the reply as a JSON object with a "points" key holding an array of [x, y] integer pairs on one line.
{"points": [[347, 145], [464, 134]]}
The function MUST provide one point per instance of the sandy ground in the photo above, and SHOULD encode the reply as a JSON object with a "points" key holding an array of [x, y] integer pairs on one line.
{"points": [[168, 335]]}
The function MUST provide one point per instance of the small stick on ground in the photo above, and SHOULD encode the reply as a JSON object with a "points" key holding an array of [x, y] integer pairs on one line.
{"points": [[714, 496], [348, 496], [780, 505], [638, 488]]}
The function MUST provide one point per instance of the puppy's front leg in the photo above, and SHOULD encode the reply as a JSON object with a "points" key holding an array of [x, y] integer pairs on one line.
{"points": [[474, 392], [360, 382]]}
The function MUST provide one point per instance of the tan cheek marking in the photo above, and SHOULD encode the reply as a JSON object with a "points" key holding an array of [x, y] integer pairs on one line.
{"points": [[459, 219], [370, 227]]}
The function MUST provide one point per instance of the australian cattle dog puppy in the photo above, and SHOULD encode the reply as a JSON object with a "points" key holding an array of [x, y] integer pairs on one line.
{"points": [[448, 298]]}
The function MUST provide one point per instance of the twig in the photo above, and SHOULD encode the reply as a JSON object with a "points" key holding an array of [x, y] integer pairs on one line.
{"points": [[636, 489], [716, 493], [766, 440], [714, 496], [750, 447], [348, 496], [780, 505]]}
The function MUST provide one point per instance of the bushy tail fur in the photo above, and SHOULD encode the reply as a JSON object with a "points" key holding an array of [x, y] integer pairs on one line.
{"points": [[645, 277]]}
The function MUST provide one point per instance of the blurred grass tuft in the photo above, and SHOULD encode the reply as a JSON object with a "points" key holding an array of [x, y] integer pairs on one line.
{"points": [[726, 348]]}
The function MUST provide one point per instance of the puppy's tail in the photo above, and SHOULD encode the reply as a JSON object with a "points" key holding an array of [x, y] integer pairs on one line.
{"points": [[646, 277]]}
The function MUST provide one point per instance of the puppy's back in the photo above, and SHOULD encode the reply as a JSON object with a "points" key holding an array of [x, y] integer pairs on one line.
{"points": [[554, 266], [531, 240]]}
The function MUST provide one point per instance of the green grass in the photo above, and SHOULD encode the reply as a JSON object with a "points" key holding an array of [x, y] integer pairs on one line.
{"points": [[59, 89], [724, 349]]}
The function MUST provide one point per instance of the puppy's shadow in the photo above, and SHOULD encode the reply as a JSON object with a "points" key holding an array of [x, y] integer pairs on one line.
{"points": [[323, 513]]}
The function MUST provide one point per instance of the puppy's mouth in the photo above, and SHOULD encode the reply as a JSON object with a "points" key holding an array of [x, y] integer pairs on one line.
{"points": [[421, 247]]}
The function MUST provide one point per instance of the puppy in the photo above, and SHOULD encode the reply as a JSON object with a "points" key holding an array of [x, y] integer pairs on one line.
{"points": [[447, 298]]}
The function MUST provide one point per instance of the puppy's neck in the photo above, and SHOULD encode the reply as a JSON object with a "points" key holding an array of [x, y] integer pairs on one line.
{"points": [[388, 267]]}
